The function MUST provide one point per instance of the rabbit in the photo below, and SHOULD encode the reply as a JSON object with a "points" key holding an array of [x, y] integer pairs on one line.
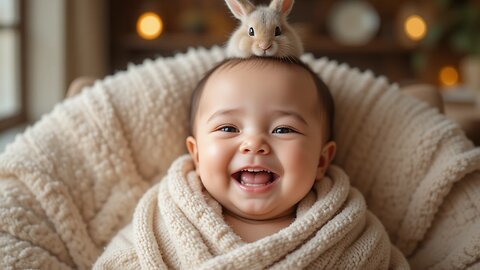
{"points": [[264, 30]]}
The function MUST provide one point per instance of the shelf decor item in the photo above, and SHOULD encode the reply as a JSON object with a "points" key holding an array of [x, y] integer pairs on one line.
{"points": [[353, 22], [149, 24], [412, 23], [470, 70]]}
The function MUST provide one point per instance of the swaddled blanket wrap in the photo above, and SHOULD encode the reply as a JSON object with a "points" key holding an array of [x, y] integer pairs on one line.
{"points": [[70, 182], [177, 225]]}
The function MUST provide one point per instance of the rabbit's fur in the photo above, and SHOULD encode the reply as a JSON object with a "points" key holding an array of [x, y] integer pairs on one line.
{"points": [[272, 35]]}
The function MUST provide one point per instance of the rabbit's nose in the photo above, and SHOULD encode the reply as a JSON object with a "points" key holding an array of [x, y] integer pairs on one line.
{"points": [[265, 46]]}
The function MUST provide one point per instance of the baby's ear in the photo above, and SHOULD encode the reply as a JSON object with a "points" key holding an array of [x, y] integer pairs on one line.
{"points": [[282, 6], [240, 8], [326, 157], [192, 149]]}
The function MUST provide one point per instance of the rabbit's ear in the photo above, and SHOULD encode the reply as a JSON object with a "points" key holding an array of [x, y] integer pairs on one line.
{"points": [[240, 8], [282, 6]]}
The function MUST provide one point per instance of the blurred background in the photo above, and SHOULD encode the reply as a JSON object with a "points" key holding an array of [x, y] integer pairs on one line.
{"points": [[46, 44]]}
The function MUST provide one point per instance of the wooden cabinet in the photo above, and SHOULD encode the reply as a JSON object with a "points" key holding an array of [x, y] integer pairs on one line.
{"points": [[190, 23]]}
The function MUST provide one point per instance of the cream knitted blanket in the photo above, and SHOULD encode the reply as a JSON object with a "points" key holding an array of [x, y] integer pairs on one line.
{"points": [[71, 181], [177, 225]]}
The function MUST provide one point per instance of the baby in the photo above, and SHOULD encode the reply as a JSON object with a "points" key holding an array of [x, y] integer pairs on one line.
{"points": [[255, 193], [261, 136]]}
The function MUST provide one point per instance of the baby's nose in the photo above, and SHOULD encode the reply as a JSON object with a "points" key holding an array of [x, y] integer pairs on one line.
{"points": [[254, 146]]}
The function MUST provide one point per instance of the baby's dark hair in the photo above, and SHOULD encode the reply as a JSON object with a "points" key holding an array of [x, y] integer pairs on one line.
{"points": [[324, 95]]}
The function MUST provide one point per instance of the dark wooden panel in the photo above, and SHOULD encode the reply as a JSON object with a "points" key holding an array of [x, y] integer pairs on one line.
{"points": [[384, 55]]}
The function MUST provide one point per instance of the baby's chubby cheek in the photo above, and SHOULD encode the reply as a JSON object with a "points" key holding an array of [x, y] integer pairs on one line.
{"points": [[295, 155], [211, 148], [300, 158], [212, 156]]}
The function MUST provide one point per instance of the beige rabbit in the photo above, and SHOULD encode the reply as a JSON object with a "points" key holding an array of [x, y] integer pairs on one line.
{"points": [[264, 31]]}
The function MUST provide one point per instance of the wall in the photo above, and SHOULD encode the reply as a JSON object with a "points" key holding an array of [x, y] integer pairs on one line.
{"points": [[86, 39], [45, 34], [65, 39]]}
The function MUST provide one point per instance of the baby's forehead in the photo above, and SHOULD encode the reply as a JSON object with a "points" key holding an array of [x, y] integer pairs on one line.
{"points": [[266, 72], [271, 75], [241, 70], [257, 64]]}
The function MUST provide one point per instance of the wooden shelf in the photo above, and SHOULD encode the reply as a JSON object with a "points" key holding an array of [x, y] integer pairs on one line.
{"points": [[326, 44], [175, 42], [384, 55], [171, 42]]}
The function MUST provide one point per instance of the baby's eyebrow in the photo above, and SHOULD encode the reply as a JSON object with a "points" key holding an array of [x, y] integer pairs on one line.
{"points": [[293, 114], [223, 112], [277, 112]]}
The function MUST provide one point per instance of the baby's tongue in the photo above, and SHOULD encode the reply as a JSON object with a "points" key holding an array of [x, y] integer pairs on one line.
{"points": [[255, 177]]}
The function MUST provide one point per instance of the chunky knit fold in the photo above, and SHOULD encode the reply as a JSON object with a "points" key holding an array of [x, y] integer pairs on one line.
{"points": [[174, 227], [70, 182]]}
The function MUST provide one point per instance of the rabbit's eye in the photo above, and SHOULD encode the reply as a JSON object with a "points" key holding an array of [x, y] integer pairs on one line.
{"points": [[278, 32], [251, 32]]}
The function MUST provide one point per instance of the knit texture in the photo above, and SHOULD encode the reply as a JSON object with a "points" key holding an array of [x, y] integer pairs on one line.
{"points": [[174, 227], [71, 182]]}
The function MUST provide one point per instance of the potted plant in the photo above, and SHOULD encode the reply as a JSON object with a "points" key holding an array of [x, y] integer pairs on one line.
{"points": [[457, 25]]}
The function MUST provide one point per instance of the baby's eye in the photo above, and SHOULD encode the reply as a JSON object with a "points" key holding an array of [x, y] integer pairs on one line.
{"points": [[228, 129], [283, 130]]}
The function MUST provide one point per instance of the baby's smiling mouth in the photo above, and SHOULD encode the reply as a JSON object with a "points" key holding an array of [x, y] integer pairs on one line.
{"points": [[255, 177]]}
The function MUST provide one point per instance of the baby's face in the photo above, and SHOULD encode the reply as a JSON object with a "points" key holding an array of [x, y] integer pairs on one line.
{"points": [[258, 139]]}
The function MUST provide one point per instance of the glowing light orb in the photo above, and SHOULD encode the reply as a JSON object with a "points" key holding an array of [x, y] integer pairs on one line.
{"points": [[448, 76], [149, 25], [415, 27]]}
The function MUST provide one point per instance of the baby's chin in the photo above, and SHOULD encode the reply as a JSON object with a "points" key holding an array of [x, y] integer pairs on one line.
{"points": [[255, 215]]}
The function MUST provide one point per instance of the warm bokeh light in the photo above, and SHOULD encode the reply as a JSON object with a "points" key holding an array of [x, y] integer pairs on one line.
{"points": [[448, 76], [149, 25], [415, 27]]}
